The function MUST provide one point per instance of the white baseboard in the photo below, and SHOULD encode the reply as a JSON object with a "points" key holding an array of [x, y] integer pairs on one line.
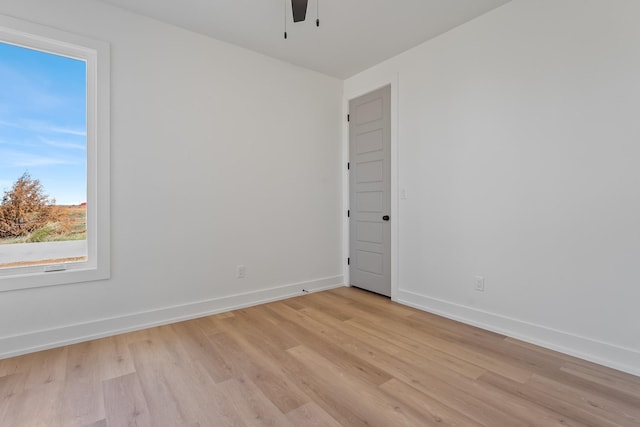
{"points": [[70, 334], [613, 356]]}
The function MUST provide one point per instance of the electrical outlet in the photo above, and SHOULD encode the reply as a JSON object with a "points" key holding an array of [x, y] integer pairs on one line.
{"points": [[241, 271], [479, 283]]}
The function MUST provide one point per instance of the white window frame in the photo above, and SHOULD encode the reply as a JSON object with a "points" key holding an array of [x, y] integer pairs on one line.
{"points": [[96, 55]]}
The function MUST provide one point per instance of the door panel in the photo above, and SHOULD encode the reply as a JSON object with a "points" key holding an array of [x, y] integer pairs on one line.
{"points": [[369, 202], [369, 111], [370, 191], [370, 171], [370, 141], [371, 232]]}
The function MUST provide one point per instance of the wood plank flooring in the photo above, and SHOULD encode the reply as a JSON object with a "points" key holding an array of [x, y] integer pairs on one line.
{"points": [[343, 357]]}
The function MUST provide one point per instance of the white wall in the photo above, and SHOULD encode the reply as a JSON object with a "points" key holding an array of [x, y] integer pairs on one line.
{"points": [[220, 157], [519, 146]]}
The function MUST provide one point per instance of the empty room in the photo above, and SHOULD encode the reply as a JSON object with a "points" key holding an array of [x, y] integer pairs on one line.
{"points": [[319, 213]]}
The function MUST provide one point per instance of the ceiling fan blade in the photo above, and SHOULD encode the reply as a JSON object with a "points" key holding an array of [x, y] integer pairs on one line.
{"points": [[299, 10]]}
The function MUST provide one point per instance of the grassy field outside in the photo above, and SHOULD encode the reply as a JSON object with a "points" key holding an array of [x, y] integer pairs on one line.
{"points": [[72, 226]]}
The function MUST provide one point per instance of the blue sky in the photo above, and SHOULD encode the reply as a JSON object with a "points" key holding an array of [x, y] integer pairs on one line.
{"points": [[43, 122]]}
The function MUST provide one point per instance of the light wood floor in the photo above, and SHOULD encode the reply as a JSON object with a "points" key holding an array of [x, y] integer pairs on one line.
{"points": [[342, 357]]}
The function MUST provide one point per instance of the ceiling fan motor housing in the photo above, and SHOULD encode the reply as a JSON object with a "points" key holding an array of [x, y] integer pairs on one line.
{"points": [[299, 8]]}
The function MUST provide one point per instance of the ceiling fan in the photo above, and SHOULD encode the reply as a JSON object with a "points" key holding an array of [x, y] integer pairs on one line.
{"points": [[299, 11], [299, 8]]}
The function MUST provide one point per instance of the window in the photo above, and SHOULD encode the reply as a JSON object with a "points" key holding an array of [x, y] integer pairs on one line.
{"points": [[54, 157]]}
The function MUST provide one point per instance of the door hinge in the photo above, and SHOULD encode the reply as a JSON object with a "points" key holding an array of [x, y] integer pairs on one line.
{"points": [[348, 165], [348, 117], [348, 261], [348, 213]]}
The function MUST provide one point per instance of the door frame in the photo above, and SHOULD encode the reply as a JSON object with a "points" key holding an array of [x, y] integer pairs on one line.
{"points": [[349, 94]]}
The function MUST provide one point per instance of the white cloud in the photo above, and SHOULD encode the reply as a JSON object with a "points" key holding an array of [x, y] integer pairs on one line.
{"points": [[68, 131], [8, 124], [64, 144], [41, 127], [25, 160]]}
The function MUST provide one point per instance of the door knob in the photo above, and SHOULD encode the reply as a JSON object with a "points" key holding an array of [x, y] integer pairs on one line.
{"points": [[385, 218]]}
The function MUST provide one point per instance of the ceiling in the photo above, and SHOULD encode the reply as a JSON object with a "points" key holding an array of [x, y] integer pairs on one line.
{"points": [[353, 34]]}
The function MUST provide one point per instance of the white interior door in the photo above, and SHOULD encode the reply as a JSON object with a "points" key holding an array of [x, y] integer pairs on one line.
{"points": [[370, 191]]}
